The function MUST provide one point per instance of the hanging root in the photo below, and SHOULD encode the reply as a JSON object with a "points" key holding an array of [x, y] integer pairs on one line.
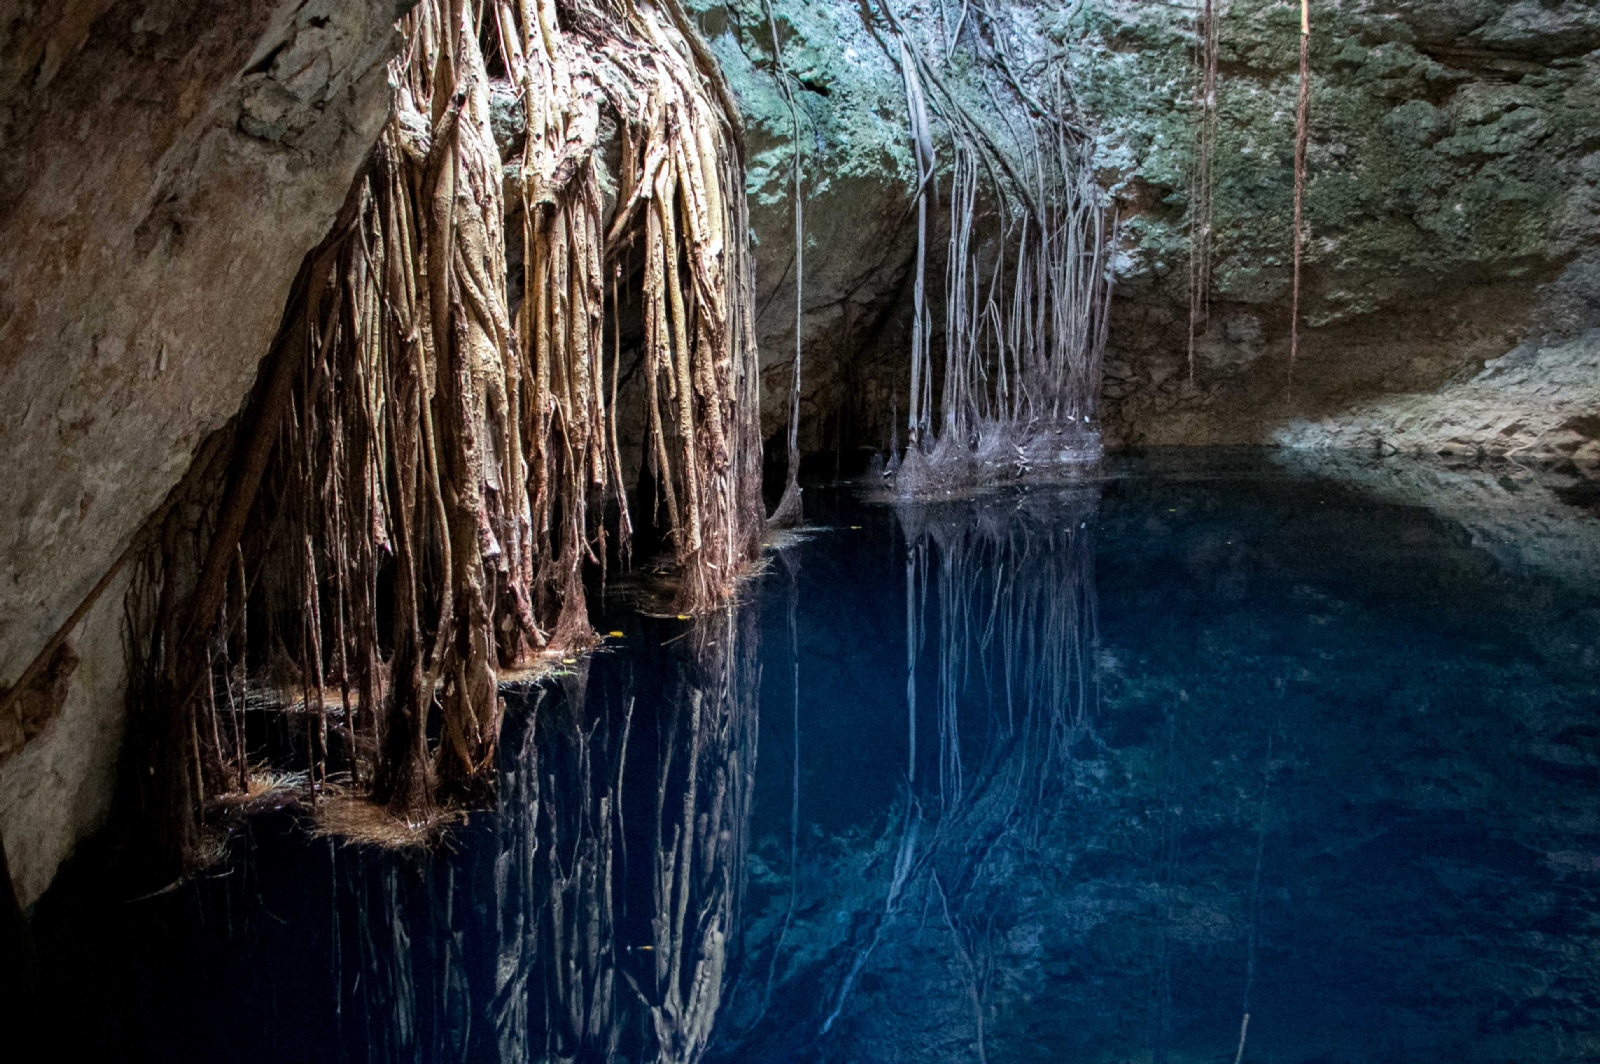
{"points": [[1026, 314], [1207, 39], [788, 512], [1302, 138], [419, 486]]}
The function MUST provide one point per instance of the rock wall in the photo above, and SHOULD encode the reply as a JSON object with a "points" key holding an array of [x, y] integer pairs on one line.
{"points": [[1538, 401], [1453, 174], [860, 233], [164, 166], [1454, 198]]}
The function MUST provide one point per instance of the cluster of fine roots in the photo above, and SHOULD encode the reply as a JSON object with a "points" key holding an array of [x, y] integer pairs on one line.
{"points": [[1028, 260], [408, 506]]}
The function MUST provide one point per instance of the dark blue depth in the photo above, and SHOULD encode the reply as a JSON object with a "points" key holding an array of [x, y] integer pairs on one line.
{"points": [[1205, 738]]}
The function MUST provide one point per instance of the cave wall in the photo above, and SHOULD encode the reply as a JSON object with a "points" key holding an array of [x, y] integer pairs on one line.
{"points": [[164, 167], [1454, 204], [860, 232]]}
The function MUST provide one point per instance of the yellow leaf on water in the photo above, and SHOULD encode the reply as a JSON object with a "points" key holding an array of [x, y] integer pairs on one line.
{"points": [[614, 635], [683, 616], [569, 661]]}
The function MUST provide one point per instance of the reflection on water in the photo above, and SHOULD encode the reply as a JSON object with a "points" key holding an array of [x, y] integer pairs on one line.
{"points": [[1000, 701], [1534, 517], [1215, 760], [586, 918], [615, 895]]}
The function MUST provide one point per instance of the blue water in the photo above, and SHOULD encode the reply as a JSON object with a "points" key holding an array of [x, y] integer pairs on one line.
{"points": [[1065, 774]]}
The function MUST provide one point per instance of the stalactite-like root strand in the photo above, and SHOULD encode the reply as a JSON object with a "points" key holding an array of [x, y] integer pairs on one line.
{"points": [[1201, 178], [1026, 309], [419, 487], [1302, 139]]}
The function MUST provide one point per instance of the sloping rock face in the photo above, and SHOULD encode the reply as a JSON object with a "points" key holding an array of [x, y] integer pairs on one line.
{"points": [[1453, 204], [1538, 402], [164, 167]]}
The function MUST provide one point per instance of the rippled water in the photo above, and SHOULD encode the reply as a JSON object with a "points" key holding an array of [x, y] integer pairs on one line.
{"points": [[1062, 774]]}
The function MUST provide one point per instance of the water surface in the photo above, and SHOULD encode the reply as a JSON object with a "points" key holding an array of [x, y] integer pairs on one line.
{"points": [[1082, 773]]}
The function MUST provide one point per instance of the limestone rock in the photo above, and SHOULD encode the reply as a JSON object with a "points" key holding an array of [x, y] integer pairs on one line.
{"points": [[167, 165], [1454, 198], [1537, 402]]}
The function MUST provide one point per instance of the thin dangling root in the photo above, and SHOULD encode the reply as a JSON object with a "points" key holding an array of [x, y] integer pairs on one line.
{"points": [[788, 511], [1207, 55], [1023, 350], [1302, 138]]}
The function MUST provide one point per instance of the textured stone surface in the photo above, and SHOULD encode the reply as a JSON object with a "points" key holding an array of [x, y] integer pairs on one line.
{"points": [[1454, 199], [1537, 402], [1452, 188], [58, 789], [860, 234], [166, 164]]}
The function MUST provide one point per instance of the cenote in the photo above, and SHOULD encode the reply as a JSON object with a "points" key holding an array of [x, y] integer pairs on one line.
{"points": [[1084, 772], [775, 531]]}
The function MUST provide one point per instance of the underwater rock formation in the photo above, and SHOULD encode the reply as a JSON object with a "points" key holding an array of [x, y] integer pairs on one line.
{"points": [[1274, 768]]}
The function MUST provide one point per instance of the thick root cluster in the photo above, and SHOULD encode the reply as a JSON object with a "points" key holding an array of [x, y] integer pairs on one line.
{"points": [[426, 470]]}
